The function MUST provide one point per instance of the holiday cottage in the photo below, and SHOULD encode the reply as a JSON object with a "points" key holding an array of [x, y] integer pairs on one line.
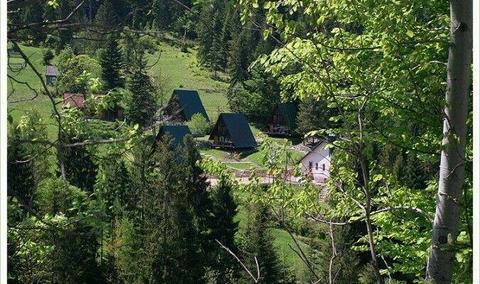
{"points": [[284, 120], [231, 131], [316, 164], [183, 105], [51, 75]]}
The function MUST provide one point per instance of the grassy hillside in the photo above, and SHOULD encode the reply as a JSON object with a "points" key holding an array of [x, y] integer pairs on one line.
{"points": [[175, 68]]}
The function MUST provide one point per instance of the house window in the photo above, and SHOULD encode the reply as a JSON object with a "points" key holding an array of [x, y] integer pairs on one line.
{"points": [[316, 166], [310, 165], [323, 167]]}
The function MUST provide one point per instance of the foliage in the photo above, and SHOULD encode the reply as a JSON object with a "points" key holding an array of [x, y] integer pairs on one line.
{"points": [[348, 59], [76, 72], [112, 62], [47, 57], [256, 97], [141, 105], [257, 243], [199, 125]]}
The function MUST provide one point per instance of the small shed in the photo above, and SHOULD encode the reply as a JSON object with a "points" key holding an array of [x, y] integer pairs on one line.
{"points": [[183, 104], [232, 131], [316, 164], [176, 132], [75, 100], [51, 75], [284, 120]]}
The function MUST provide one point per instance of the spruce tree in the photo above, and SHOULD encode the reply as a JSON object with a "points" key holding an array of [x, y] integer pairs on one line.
{"points": [[106, 16], [258, 242], [314, 115], [170, 220], [225, 267], [114, 188], [112, 62], [142, 104]]}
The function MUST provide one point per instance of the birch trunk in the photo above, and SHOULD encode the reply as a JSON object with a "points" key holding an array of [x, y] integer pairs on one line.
{"points": [[452, 168]]}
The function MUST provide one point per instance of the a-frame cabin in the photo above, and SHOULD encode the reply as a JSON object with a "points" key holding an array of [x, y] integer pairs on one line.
{"points": [[231, 131], [183, 104]]}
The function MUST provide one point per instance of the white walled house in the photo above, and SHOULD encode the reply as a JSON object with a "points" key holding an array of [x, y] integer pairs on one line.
{"points": [[316, 164]]}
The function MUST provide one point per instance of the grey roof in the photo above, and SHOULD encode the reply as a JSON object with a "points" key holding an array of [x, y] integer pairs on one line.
{"points": [[51, 71], [190, 103], [177, 132], [238, 128]]}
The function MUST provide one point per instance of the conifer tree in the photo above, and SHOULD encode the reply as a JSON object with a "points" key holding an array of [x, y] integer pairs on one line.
{"points": [[177, 255], [258, 243], [224, 230], [106, 16], [111, 61], [313, 115], [142, 104]]}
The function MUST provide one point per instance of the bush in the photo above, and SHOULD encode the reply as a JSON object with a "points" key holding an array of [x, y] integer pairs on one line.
{"points": [[47, 57], [199, 125]]}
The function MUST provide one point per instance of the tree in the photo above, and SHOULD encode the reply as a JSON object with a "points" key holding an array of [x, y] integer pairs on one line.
{"points": [[76, 73], [112, 62], [142, 105], [199, 125], [258, 242], [47, 57], [452, 163], [313, 115], [349, 60], [224, 229]]}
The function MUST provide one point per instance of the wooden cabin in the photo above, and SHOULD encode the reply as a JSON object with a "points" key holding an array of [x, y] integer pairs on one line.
{"points": [[231, 131], [283, 122], [51, 75], [316, 164], [183, 104]]}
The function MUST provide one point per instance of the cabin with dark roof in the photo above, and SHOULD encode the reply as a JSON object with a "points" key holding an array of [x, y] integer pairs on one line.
{"points": [[51, 75], [176, 132], [183, 105], [284, 120], [231, 131]]}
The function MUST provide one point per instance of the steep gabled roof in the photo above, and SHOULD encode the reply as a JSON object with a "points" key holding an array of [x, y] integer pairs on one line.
{"points": [[177, 132], [190, 103], [74, 100], [322, 144], [238, 128], [288, 111], [51, 71]]}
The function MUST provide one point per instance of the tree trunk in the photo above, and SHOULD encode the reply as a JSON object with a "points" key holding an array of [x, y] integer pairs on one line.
{"points": [[452, 164]]}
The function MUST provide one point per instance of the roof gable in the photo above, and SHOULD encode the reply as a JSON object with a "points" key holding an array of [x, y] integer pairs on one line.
{"points": [[74, 100], [317, 149], [51, 70], [190, 103], [177, 132], [238, 128]]}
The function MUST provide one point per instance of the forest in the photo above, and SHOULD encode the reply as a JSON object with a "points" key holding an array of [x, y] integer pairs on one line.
{"points": [[110, 180]]}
